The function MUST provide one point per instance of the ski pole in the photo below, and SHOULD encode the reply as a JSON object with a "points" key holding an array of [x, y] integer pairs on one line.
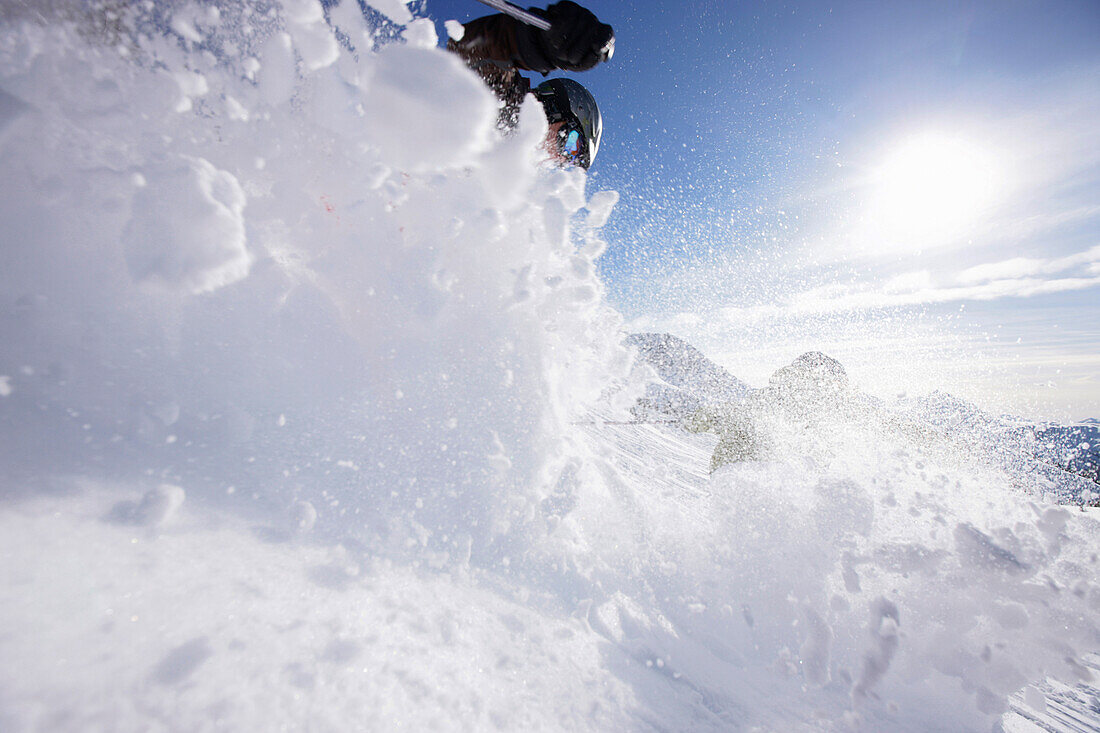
{"points": [[518, 13], [624, 422]]}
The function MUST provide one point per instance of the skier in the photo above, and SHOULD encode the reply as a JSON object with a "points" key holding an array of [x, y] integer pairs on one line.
{"points": [[740, 437], [498, 46]]}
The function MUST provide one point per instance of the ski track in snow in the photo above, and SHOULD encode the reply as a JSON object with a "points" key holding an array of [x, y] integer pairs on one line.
{"points": [[306, 422], [1061, 708]]}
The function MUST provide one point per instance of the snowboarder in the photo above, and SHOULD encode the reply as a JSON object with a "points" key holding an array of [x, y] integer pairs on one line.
{"points": [[498, 47]]}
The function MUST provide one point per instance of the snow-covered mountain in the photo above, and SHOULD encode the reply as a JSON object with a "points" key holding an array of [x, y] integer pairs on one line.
{"points": [[815, 386], [1075, 447], [313, 417], [1043, 446], [946, 410], [690, 379]]}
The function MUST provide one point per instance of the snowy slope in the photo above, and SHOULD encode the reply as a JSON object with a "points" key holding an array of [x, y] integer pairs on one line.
{"points": [[206, 625], [205, 621], [309, 405]]}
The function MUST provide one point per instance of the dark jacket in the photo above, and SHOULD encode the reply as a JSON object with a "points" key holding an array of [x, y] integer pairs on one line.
{"points": [[497, 47]]}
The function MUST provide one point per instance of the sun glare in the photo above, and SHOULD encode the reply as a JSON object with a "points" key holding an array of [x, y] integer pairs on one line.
{"points": [[931, 190]]}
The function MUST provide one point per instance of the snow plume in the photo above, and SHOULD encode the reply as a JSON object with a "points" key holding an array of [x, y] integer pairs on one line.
{"points": [[186, 229], [250, 254], [864, 568]]}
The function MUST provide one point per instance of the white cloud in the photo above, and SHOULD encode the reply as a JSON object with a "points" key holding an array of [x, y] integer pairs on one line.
{"points": [[1019, 277], [993, 290], [1020, 267], [905, 291], [1015, 268], [1027, 226]]}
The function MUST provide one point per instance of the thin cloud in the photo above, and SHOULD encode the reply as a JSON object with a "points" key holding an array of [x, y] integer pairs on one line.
{"points": [[1020, 267], [810, 302], [906, 291], [1020, 277]]}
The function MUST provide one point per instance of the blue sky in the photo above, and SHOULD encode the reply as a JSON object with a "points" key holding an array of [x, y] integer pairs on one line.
{"points": [[912, 187]]}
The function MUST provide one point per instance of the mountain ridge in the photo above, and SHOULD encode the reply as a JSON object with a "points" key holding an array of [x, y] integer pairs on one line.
{"points": [[692, 384]]}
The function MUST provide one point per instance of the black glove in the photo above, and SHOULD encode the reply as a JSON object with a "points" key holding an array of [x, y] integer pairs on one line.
{"points": [[576, 41]]}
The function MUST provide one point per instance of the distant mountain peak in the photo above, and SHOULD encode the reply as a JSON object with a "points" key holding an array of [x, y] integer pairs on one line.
{"points": [[945, 409], [812, 370], [685, 367]]}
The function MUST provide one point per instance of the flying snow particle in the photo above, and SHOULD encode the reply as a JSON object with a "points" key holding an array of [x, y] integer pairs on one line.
{"points": [[312, 35], [155, 509], [599, 207], [979, 551], [455, 30], [395, 10], [303, 516], [421, 34], [814, 652], [186, 29], [191, 85], [187, 229], [236, 111], [885, 621]]}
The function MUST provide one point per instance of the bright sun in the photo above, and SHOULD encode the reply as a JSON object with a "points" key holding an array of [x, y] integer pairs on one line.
{"points": [[931, 190]]}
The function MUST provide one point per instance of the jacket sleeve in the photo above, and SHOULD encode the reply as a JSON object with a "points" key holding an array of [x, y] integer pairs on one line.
{"points": [[503, 41], [489, 47]]}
